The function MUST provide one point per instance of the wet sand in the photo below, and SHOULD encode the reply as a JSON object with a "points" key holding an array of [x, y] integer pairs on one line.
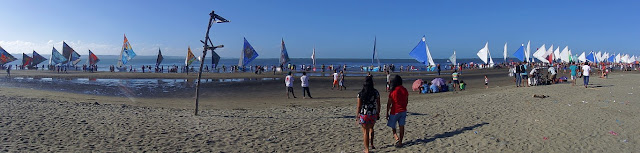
{"points": [[256, 116]]}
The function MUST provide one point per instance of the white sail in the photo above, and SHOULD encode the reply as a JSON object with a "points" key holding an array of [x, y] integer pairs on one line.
{"points": [[505, 53], [483, 53], [564, 55], [617, 60], [453, 58], [556, 53], [549, 52], [313, 56], [241, 58], [582, 57], [632, 59], [540, 54], [428, 52], [528, 51], [490, 58], [598, 56]]}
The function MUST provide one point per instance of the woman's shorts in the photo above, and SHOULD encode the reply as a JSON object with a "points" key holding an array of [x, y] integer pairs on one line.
{"points": [[367, 119]]}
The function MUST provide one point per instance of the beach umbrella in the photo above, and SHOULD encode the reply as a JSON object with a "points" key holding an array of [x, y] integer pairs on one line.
{"points": [[416, 85], [438, 82]]}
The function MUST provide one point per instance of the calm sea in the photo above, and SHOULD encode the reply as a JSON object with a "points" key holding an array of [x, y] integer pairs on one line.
{"points": [[138, 61]]}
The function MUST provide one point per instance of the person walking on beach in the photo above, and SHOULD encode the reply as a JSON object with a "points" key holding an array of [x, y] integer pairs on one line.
{"points": [[518, 72], [288, 81], [305, 85], [9, 71], [397, 109], [438, 69], [573, 68], [586, 69], [486, 82], [368, 111], [552, 73], [335, 79], [455, 75], [388, 81], [342, 81]]}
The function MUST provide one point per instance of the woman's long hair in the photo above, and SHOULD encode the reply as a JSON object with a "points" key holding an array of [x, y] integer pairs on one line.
{"points": [[367, 87], [397, 81]]}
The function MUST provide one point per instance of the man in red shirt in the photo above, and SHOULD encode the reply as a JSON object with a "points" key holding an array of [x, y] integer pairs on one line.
{"points": [[397, 108]]}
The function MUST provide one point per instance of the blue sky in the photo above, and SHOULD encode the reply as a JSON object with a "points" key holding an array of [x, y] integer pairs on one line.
{"points": [[338, 29]]}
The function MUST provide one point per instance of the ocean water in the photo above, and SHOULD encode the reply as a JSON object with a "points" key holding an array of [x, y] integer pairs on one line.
{"points": [[352, 64]]}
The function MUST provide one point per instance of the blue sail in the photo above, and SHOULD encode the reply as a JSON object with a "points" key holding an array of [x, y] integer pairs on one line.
{"points": [[591, 57], [56, 57], [520, 54], [249, 54], [419, 52], [612, 58]]}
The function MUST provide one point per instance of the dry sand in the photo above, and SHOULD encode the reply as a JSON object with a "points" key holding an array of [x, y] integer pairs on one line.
{"points": [[498, 119]]}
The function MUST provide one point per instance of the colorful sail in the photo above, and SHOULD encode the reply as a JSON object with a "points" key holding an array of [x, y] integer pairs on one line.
{"points": [[519, 54], [215, 59], [37, 59], [190, 57], [5, 57], [93, 59], [160, 58], [284, 56], [26, 60], [127, 52], [70, 54], [248, 53], [421, 53], [56, 57]]}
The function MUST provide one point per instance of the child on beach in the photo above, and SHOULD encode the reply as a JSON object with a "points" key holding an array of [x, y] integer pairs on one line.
{"points": [[397, 109], [288, 82], [486, 82], [455, 75], [368, 111], [462, 85]]}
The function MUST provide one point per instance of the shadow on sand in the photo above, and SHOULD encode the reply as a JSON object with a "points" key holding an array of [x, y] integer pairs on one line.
{"points": [[444, 135]]}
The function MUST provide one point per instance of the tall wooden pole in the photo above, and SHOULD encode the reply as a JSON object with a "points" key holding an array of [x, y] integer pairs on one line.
{"points": [[206, 42]]}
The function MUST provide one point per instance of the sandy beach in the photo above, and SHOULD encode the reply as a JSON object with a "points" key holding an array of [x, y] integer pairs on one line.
{"points": [[255, 116]]}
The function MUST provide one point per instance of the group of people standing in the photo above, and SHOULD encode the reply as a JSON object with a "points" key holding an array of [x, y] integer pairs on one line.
{"points": [[519, 72]]}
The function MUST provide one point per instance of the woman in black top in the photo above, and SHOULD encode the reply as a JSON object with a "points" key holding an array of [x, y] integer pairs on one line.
{"points": [[368, 110]]}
